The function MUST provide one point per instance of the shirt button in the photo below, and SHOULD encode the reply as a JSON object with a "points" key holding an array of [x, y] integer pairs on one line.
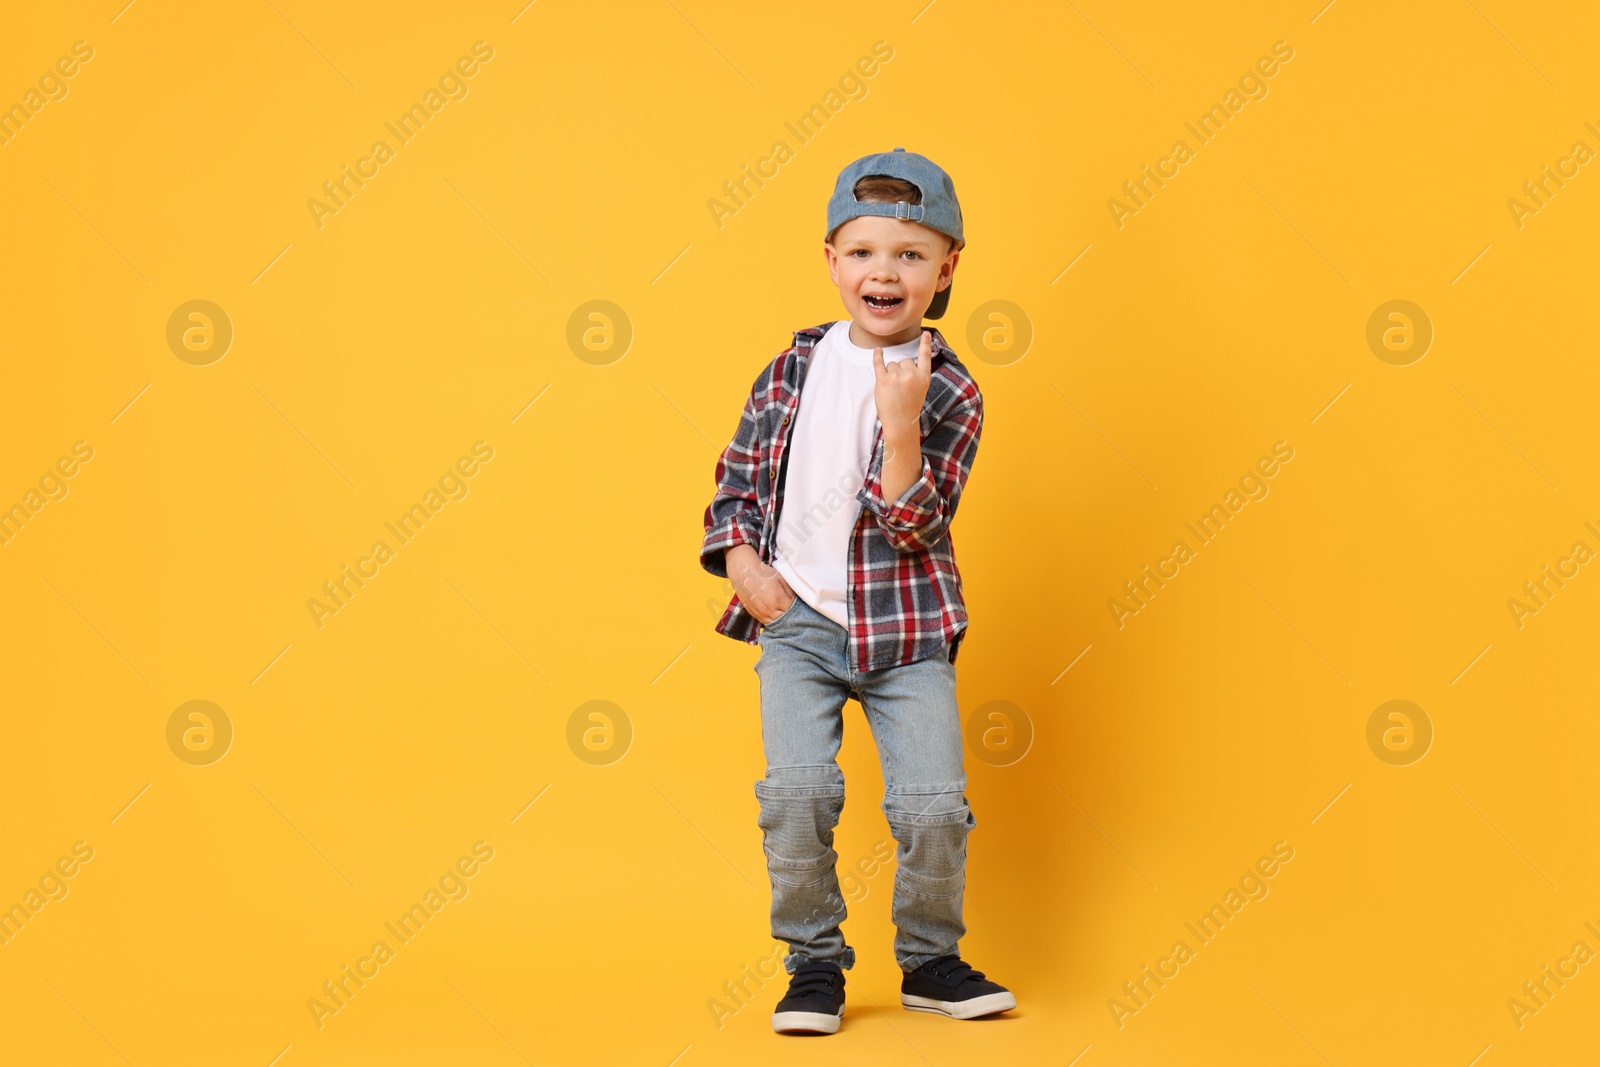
{"points": [[772, 475], [786, 420]]}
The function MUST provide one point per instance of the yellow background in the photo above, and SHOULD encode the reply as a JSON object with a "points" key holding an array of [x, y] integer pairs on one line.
{"points": [[428, 714]]}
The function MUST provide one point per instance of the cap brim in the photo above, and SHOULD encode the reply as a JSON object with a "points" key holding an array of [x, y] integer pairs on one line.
{"points": [[941, 301]]}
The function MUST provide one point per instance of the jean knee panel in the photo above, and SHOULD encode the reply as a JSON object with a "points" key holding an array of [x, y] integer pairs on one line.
{"points": [[932, 856], [797, 820], [935, 803]]}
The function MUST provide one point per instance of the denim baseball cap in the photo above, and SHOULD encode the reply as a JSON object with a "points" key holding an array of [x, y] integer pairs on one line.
{"points": [[939, 210]]}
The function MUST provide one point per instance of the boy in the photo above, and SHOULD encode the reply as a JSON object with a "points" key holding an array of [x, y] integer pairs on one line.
{"points": [[831, 520]]}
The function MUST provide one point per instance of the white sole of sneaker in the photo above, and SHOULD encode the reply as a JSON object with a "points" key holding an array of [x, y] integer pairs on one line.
{"points": [[805, 1022], [961, 1009]]}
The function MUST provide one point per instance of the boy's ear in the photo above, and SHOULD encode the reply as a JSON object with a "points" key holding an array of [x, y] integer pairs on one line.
{"points": [[947, 270], [833, 261]]}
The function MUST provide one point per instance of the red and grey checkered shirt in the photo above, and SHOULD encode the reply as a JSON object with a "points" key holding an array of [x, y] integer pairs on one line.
{"points": [[904, 597]]}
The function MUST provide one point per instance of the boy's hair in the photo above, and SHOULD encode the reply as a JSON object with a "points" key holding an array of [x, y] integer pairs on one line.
{"points": [[882, 189]]}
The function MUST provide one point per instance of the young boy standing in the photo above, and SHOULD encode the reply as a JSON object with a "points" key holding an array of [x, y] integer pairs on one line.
{"points": [[832, 521]]}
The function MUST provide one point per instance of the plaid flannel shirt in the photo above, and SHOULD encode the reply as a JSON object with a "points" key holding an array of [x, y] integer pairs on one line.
{"points": [[904, 597]]}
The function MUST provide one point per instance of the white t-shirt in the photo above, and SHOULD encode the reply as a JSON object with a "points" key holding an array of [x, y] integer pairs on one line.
{"points": [[830, 449]]}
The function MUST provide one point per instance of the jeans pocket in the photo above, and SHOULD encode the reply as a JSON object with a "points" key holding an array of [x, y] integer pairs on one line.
{"points": [[788, 611]]}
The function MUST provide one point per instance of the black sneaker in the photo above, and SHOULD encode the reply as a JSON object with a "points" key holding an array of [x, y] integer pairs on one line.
{"points": [[815, 1001], [948, 986]]}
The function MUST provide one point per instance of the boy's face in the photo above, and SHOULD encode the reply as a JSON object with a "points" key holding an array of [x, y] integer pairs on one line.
{"points": [[906, 262]]}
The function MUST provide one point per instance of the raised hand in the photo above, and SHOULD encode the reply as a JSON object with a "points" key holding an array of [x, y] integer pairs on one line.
{"points": [[901, 387]]}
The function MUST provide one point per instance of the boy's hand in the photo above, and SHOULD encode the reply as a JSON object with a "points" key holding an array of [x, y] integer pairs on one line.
{"points": [[901, 388], [761, 588]]}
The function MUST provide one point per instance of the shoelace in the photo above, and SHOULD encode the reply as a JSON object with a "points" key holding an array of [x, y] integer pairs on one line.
{"points": [[955, 971]]}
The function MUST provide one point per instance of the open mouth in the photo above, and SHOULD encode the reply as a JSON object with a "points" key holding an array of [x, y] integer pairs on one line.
{"points": [[882, 303]]}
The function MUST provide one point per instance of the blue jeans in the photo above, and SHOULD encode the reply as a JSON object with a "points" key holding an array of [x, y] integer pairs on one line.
{"points": [[806, 678]]}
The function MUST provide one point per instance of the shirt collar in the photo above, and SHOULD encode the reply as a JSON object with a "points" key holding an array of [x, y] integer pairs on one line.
{"points": [[809, 336]]}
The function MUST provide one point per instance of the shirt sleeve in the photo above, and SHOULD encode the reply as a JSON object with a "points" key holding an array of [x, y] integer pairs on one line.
{"points": [[920, 516], [734, 516]]}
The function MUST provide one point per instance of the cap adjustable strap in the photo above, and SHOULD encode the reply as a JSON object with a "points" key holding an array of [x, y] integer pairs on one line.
{"points": [[903, 210]]}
